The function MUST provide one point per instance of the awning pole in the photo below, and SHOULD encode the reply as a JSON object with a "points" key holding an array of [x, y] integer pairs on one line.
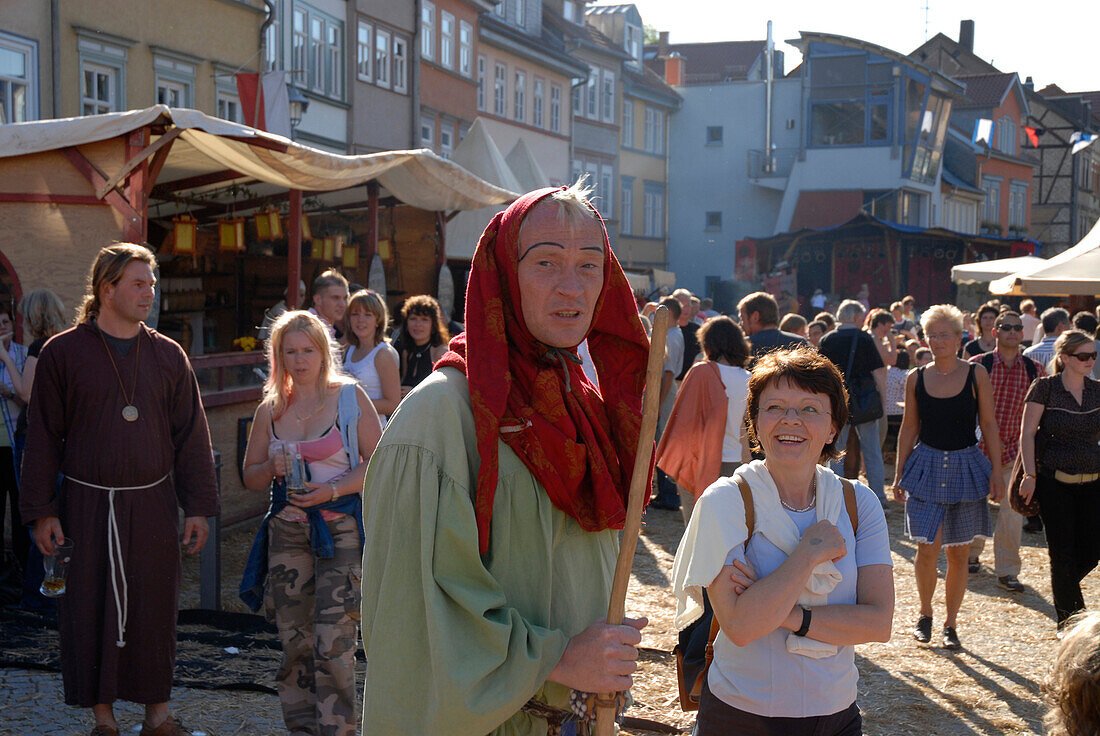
{"points": [[294, 250]]}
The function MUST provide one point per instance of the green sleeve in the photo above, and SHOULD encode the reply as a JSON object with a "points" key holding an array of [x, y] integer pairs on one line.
{"points": [[448, 650]]}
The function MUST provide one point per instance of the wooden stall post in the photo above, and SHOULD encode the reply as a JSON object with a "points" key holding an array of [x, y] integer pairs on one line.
{"points": [[372, 221], [294, 250]]}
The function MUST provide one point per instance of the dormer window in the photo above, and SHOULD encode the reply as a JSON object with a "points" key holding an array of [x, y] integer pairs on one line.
{"points": [[569, 10], [633, 42]]}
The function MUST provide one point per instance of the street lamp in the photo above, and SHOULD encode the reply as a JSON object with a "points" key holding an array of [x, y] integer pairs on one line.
{"points": [[298, 106]]}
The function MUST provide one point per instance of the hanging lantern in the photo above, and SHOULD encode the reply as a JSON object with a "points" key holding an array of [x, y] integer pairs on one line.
{"points": [[185, 228], [231, 234], [329, 248], [351, 256], [338, 252], [268, 224], [385, 250], [306, 234], [275, 223], [317, 251], [263, 225]]}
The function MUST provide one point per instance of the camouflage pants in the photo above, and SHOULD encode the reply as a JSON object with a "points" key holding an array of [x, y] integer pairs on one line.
{"points": [[315, 605]]}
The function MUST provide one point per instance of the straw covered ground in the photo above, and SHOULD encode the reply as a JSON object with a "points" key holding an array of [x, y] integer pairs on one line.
{"points": [[991, 687]]}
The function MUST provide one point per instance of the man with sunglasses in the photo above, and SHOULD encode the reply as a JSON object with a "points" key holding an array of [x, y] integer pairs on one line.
{"points": [[1011, 374]]}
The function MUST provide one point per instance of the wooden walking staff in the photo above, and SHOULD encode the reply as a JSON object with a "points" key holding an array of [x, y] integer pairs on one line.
{"points": [[605, 703]]}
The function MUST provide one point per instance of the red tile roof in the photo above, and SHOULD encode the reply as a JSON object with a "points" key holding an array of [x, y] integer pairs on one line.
{"points": [[716, 62], [985, 90]]}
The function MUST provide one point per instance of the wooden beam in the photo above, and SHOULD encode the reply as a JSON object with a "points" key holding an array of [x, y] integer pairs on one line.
{"points": [[294, 249], [441, 239], [137, 230], [52, 198], [193, 182], [155, 167], [136, 161], [96, 178], [258, 143]]}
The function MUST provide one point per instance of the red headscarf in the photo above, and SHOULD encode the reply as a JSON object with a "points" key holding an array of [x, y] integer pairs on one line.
{"points": [[578, 442]]}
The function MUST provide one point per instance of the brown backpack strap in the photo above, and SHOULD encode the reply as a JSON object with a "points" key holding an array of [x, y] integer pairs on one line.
{"points": [[750, 509], [850, 504]]}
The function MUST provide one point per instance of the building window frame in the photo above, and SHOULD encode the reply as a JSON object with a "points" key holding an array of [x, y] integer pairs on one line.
{"points": [[607, 101], [628, 122], [446, 39], [555, 108], [715, 135], [991, 207], [427, 132], [400, 64], [1006, 135], [228, 106], [1018, 193], [465, 48], [626, 205], [607, 190], [427, 30], [446, 139], [500, 90], [654, 209], [713, 221], [654, 130], [364, 51], [108, 59], [299, 46], [519, 96], [521, 13], [481, 83], [317, 52], [15, 85], [591, 96], [383, 76], [538, 103], [273, 45]]}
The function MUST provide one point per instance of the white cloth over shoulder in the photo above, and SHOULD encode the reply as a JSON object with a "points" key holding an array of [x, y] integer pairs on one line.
{"points": [[710, 537]]}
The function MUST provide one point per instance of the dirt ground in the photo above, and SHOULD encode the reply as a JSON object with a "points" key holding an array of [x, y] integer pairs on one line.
{"points": [[990, 687]]}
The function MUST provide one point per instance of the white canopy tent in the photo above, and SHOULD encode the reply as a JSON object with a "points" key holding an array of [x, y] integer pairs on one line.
{"points": [[1074, 272], [982, 272]]}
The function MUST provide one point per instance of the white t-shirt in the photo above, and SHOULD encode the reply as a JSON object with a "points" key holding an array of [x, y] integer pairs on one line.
{"points": [[365, 372], [736, 381]]}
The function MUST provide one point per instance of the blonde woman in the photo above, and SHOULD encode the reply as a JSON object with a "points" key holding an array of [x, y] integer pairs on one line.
{"points": [[1073, 689], [308, 550], [941, 474], [1061, 458], [370, 358]]}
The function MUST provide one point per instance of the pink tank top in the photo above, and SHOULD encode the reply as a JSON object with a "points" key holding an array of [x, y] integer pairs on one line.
{"points": [[327, 460]]}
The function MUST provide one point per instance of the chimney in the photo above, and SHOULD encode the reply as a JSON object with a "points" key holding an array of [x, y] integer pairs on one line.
{"points": [[966, 35], [674, 69], [1029, 85], [662, 44]]}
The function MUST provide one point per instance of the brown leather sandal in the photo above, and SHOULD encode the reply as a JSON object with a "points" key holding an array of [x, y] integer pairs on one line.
{"points": [[172, 726], [104, 731]]}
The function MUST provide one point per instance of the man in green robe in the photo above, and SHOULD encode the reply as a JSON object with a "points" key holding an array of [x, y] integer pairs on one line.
{"points": [[492, 500]]}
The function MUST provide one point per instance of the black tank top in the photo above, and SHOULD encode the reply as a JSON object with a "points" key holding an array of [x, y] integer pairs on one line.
{"points": [[948, 424]]}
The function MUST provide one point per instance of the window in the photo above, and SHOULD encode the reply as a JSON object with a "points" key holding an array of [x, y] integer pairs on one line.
{"points": [[1006, 136], [99, 90], [851, 98], [298, 45], [628, 123], [569, 11], [632, 43], [499, 84], [229, 107], [714, 135], [654, 210], [713, 222], [1084, 169], [427, 132], [578, 102], [18, 80], [481, 83], [537, 104], [1017, 204], [465, 48], [272, 45], [334, 60], [654, 130], [400, 64], [382, 58], [912, 208], [519, 101], [555, 108], [626, 206], [991, 212], [427, 30], [499, 9], [173, 94], [102, 76], [592, 103], [607, 191], [446, 139], [446, 39], [316, 59], [364, 56], [608, 106], [521, 13]]}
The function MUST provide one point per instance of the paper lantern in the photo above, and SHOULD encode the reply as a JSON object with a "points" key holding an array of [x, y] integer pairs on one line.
{"points": [[351, 256], [338, 252], [318, 250], [268, 224], [306, 234], [231, 234], [185, 228], [330, 248], [385, 250]]}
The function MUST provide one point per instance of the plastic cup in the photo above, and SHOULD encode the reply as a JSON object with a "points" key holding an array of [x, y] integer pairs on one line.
{"points": [[57, 569]]}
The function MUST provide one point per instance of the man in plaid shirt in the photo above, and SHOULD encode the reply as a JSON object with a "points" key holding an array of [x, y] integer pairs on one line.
{"points": [[1009, 372]]}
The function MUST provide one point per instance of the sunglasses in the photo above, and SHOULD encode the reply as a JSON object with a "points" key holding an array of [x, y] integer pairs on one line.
{"points": [[1011, 328], [1084, 357]]}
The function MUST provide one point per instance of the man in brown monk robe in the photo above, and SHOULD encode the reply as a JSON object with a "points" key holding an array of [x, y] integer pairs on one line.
{"points": [[116, 412]]}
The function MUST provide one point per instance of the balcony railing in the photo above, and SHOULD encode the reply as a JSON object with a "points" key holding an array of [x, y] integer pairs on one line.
{"points": [[779, 164]]}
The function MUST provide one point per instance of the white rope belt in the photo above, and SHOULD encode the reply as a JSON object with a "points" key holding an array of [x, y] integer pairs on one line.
{"points": [[114, 551]]}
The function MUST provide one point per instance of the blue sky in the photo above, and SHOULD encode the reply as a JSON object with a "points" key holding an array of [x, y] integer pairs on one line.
{"points": [[1060, 45]]}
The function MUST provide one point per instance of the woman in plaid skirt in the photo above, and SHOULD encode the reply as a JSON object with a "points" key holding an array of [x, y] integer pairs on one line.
{"points": [[940, 473]]}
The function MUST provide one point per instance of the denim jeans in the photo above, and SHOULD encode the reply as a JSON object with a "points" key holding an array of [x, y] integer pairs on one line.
{"points": [[869, 445]]}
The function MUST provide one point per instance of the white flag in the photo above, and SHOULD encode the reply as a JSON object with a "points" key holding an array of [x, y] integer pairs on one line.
{"points": [[1080, 141]]}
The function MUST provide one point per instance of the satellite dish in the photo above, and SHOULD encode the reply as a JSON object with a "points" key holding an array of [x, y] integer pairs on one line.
{"points": [[446, 292], [376, 277]]}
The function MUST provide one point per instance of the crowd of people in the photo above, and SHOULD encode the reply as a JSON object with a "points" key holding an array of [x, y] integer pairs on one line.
{"points": [[453, 492]]}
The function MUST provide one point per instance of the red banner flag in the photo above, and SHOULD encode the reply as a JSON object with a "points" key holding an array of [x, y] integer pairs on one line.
{"points": [[1032, 135], [248, 89]]}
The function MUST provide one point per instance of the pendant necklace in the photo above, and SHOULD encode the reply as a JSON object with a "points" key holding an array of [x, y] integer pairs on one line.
{"points": [[129, 411], [813, 498]]}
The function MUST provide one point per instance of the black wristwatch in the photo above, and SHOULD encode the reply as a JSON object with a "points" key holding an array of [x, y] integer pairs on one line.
{"points": [[807, 614]]}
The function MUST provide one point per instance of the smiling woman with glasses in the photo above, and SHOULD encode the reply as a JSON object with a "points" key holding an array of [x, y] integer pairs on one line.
{"points": [[1061, 459], [797, 587]]}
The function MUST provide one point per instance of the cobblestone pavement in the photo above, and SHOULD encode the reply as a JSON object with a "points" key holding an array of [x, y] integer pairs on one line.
{"points": [[32, 704]]}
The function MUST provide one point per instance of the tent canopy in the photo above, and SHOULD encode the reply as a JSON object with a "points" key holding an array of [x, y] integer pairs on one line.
{"points": [[206, 145], [985, 271], [1074, 272]]}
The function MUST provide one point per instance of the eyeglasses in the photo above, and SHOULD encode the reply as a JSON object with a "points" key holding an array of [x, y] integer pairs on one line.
{"points": [[1084, 357], [775, 411], [1011, 328]]}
